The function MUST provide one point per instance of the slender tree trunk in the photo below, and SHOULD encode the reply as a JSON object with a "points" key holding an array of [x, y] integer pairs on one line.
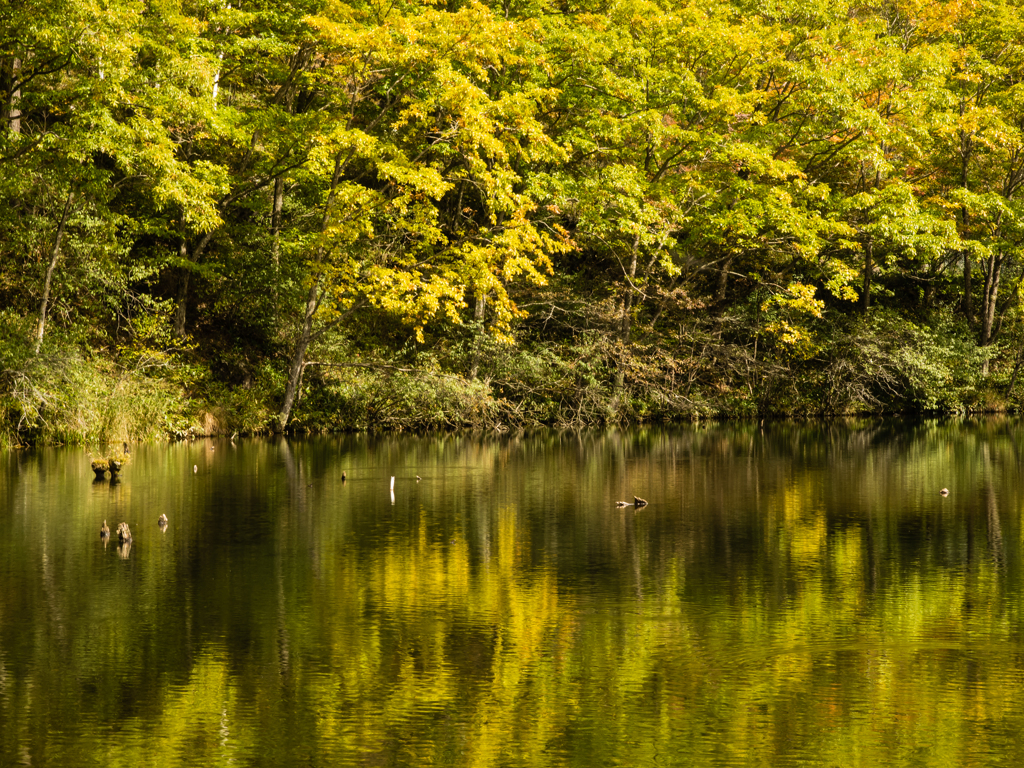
{"points": [[929, 286], [313, 299], [179, 312], [990, 297], [723, 281], [275, 234], [968, 305], [13, 112], [479, 315], [298, 362], [54, 257], [966, 149], [197, 252], [865, 296], [965, 157], [627, 299], [993, 276], [1016, 371], [627, 309]]}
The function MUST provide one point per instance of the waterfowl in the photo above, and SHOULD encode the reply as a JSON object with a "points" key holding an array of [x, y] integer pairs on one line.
{"points": [[162, 520], [944, 492], [638, 502], [104, 530], [621, 503]]}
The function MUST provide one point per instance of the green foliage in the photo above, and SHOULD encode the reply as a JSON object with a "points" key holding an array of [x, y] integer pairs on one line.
{"points": [[891, 363], [63, 397], [383, 399], [628, 211]]}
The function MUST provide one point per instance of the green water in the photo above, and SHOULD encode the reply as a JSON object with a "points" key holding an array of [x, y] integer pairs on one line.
{"points": [[792, 595]]}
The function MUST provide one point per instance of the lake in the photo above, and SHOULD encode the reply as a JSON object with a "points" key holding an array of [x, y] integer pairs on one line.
{"points": [[793, 594]]}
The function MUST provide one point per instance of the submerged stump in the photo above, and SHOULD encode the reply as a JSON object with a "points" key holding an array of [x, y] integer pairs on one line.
{"points": [[124, 533]]}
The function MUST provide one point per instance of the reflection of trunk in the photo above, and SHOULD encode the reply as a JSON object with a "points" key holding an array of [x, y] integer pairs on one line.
{"points": [[54, 257], [865, 297], [995, 529]]}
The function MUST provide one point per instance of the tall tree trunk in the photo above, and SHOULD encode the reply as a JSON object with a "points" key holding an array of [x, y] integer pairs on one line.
{"points": [[865, 296], [275, 234], [967, 305], [723, 281], [993, 276], [929, 286], [179, 312], [627, 309], [627, 299], [54, 257], [298, 362], [313, 299], [965, 157], [13, 112], [990, 297], [966, 149], [479, 315], [183, 284]]}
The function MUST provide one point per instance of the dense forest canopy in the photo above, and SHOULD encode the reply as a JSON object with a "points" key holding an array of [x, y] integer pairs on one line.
{"points": [[315, 214]]}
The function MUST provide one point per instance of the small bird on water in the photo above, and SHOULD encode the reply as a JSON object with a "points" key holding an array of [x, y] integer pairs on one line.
{"points": [[944, 492], [104, 531], [162, 521]]}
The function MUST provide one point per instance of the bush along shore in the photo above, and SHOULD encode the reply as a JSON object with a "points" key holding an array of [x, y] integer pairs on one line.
{"points": [[67, 397], [255, 217]]}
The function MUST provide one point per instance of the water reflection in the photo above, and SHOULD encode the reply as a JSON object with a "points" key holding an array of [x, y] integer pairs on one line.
{"points": [[793, 594]]}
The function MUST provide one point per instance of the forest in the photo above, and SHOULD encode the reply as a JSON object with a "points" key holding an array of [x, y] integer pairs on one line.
{"points": [[310, 215]]}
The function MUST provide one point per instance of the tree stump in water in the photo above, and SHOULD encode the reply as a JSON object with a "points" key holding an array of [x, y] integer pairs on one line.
{"points": [[100, 467], [124, 533]]}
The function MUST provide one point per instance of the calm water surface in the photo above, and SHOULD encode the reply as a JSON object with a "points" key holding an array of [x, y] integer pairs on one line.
{"points": [[792, 595]]}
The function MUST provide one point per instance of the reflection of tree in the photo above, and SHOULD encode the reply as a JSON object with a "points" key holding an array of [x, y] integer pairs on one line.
{"points": [[792, 592]]}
